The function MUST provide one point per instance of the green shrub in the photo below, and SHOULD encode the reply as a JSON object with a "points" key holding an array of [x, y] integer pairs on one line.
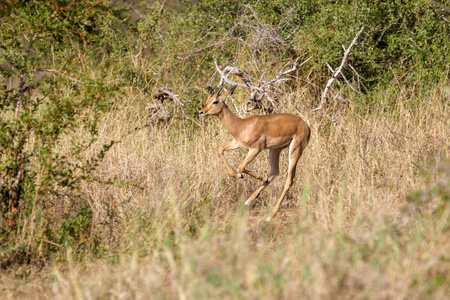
{"points": [[55, 98]]}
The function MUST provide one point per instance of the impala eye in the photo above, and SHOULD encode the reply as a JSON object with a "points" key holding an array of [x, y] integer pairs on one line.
{"points": [[216, 102]]}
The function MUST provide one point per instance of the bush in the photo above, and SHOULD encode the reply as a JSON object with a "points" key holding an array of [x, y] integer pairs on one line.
{"points": [[48, 96]]}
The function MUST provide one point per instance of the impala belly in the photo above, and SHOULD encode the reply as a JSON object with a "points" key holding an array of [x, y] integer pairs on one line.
{"points": [[278, 142], [270, 131]]}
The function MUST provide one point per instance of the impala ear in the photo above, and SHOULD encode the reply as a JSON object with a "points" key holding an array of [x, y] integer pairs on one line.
{"points": [[210, 90], [232, 90]]}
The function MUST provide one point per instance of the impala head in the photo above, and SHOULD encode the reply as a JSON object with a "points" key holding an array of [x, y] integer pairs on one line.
{"points": [[215, 102]]}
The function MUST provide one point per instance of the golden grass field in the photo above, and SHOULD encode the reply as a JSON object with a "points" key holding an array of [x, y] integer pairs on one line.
{"points": [[367, 217]]}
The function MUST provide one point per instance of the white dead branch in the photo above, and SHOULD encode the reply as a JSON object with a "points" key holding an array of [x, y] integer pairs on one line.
{"points": [[257, 93], [337, 71], [228, 70]]}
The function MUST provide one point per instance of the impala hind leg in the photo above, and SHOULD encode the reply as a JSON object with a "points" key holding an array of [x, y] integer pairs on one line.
{"points": [[225, 147], [274, 156], [295, 151]]}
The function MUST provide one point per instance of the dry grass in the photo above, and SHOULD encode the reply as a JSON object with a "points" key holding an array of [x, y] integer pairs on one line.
{"points": [[345, 231]]}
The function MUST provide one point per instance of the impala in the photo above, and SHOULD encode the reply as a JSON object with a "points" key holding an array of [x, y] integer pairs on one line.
{"points": [[256, 133]]}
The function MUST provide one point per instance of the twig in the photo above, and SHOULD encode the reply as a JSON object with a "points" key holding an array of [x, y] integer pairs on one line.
{"points": [[235, 107], [58, 72], [354, 71], [158, 16], [345, 78], [337, 71], [193, 121], [139, 14], [52, 243], [295, 66]]}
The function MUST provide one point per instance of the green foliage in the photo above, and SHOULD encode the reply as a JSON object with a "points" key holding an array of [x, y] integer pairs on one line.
{"points": [[436, 194], [55, 98], [74, 231], [402, 40]]}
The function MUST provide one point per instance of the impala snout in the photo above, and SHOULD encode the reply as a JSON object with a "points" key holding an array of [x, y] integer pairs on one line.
{"points": [[205, 111], [202, 114]]}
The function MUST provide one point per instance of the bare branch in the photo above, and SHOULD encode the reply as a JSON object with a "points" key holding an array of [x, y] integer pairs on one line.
{"points": [[257, 92], [337, 71], [348, 83], [295, 66], [354, 71], [141, 16], [357, 76], [234, 71], [343, 76], [235, 107]]}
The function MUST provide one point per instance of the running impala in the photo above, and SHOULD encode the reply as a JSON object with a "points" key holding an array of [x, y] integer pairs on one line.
{"points": [[256, 133]]}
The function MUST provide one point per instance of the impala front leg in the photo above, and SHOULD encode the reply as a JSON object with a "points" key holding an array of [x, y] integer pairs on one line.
{"points": [[250, 156], [229, 146]]}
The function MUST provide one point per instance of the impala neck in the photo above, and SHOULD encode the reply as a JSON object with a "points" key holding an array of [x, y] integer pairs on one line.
{"points": [[230, 121]]}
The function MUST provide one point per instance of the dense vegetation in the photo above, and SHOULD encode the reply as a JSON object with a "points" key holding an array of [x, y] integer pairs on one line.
{"points": [[101, 172]]}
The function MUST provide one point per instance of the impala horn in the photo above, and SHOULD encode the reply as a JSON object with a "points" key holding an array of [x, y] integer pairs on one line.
{"points": [[210, 90]]}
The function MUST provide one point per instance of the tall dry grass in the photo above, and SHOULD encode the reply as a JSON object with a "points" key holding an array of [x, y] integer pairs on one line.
{"points": [[179, 230]]}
